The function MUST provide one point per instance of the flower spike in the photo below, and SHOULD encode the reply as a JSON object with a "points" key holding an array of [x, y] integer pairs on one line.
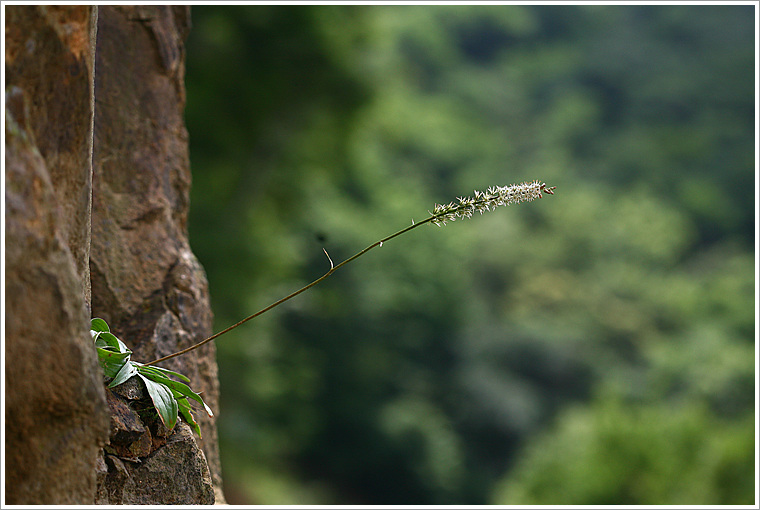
{"points": [[494, 197]]}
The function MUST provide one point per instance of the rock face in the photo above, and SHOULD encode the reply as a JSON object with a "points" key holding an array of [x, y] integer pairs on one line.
{"points": [[146, 282], [50, 54], [56, 414], [176, 474], [144, 463], [96, 225]]}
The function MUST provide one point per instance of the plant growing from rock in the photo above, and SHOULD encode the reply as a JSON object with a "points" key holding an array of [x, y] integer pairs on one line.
{"points": [[170, 397]]}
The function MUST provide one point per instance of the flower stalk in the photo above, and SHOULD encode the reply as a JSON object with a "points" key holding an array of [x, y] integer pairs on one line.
{"points": [[464, 207], [484, 201]]}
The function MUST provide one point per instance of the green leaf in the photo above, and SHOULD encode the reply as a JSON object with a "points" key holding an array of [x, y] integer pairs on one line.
{"points": [[108, 355], [112, 362], [103, 337], [184, 409], [105, 340], [208, 410], [176, 386], [164, 371], [99, 325], [163, 401], [108, 340], [180, 396], [127, 371]]}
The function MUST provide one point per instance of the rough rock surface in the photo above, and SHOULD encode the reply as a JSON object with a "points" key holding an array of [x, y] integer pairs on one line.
{"points": [[133, 168], [55, 408], [144, 462], [146, 282], [50, 57], [174, 474]]}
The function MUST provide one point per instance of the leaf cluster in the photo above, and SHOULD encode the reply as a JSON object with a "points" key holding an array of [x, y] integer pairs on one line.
{"points": [[170, 397]]}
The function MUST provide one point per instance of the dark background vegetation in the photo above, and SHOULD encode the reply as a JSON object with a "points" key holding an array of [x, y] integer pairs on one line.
{"points": [[594, 347]]}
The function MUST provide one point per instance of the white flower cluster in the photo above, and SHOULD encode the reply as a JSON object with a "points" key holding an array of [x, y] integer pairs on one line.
{"points": [[488, 200]]}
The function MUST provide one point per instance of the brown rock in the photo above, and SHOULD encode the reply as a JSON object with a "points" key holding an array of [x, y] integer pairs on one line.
{"points": [[111, 483], [50, 56], [130, 438], [132, 389], [56, 414], [175, 474], [126, 426], [146, 282]]}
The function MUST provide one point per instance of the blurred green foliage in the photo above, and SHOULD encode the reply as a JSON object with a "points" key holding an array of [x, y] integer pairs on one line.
{"points": [[595, 347]]}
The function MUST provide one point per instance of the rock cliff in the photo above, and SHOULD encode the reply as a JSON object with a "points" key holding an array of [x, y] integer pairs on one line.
{"points": [[97, 195]]}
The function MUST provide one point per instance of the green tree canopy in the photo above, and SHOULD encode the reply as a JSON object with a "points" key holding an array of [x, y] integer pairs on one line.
{"points": [[511, 357]]}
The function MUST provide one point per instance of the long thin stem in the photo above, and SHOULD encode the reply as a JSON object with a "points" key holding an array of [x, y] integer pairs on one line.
{"points": [[333, 268], [482, 201]]}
